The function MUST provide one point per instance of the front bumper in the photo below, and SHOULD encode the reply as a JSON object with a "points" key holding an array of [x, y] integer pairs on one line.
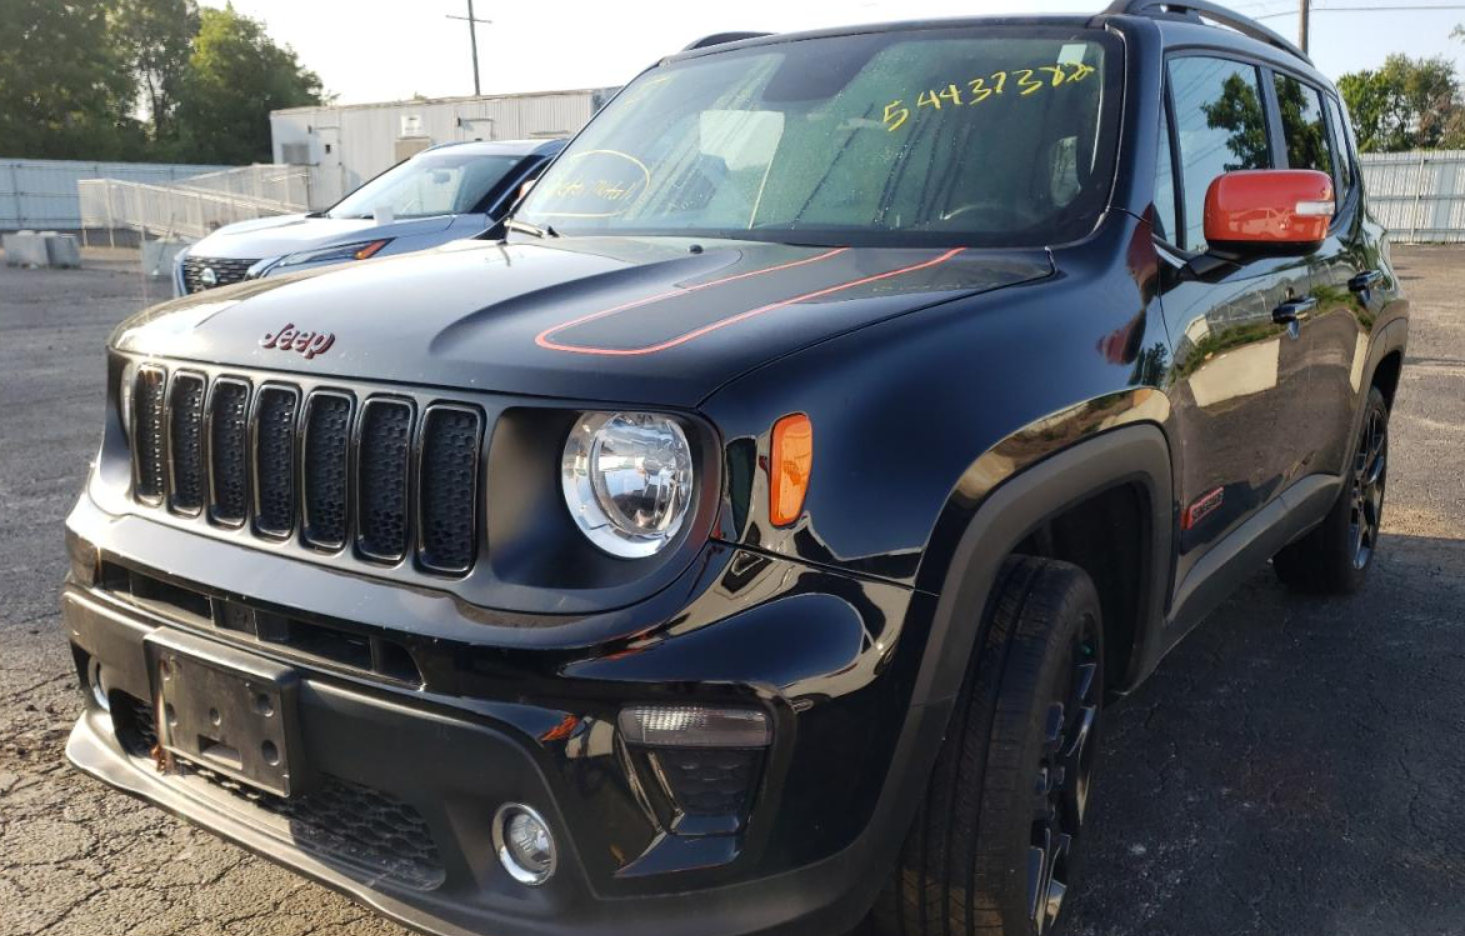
{"points": [[488, 724]]}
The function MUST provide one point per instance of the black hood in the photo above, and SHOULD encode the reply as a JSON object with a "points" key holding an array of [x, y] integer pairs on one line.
{"points": [[615, 319]]}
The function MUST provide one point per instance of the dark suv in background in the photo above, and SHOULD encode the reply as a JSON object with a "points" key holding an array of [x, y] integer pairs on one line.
{"points": [[750, 531]]}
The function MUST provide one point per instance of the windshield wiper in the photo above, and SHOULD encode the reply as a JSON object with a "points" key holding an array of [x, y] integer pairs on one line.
{"points": [[524, 227]]}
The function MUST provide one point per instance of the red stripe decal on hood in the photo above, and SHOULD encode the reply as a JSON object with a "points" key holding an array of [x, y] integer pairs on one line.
{"points": [[545, 341]]}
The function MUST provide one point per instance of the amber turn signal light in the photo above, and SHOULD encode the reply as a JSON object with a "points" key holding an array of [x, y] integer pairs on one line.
{"points": [[789, 468], [369, 250]]}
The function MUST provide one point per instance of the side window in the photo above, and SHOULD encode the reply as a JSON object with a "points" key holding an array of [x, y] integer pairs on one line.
{"points": [[1304, 125], [1222, 128], [1167, 223], [1344, 177]]}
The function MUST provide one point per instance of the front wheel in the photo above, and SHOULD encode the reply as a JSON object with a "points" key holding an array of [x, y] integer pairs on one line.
{"points": [[992, 848], [1334, 558]]}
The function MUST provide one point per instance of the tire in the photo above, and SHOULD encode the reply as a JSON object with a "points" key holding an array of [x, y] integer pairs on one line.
{"points": [[1334, 557], [1008, 793]]}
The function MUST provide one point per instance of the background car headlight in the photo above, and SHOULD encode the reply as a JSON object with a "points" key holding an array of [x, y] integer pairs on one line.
{"points": [[340, 253], [628, 481]]}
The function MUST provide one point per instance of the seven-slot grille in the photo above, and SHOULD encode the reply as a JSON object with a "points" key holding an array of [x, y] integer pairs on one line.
{"points": [[320, 465]]}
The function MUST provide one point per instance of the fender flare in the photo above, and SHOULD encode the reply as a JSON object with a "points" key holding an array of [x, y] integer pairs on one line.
{"points": [[1393, 337], [1135, 453]]}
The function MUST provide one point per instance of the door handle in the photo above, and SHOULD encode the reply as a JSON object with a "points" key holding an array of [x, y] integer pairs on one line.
{"points": [[1366, 280], [1287, 312]]}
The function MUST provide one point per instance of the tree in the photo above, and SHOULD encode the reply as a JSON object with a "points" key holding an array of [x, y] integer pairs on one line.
{"points": [[1239, 110], [155, 37], [63, 91], [1406, 104], [235, 76]]}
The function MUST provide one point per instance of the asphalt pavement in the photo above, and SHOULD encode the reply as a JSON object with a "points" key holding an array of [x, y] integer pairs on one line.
{"points": [[1296, 766]]}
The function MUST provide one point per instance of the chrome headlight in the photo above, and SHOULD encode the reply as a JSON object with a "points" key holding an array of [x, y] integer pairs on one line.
{"points": [[628, 481]]}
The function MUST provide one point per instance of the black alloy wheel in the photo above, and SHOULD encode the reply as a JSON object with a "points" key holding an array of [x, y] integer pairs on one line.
{"points": [[1370, 474], [1065, 773], [992, 849], [1334, 558]]}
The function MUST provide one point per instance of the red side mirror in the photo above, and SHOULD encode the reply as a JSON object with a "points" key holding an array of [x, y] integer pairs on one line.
{"points": [[1262, 208]]}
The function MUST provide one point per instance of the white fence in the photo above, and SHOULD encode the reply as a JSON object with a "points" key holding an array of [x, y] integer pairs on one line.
{"points": [[289, 185], [41, 193], [163, 210], [197, 207], [1419, 196]]}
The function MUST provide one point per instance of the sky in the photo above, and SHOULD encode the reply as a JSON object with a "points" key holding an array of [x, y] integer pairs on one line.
{"points": [[375, 50]]}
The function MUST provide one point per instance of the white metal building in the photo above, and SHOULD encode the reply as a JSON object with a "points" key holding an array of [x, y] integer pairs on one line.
{"points": [[348, 144]]}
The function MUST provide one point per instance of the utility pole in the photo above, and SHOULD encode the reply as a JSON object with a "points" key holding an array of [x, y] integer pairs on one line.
{"points": [[473, 22], [1302, 27]]}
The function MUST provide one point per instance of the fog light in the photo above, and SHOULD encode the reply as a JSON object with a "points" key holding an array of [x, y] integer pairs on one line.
{"points": [[95, 684], [695, 726], [524, 844]]}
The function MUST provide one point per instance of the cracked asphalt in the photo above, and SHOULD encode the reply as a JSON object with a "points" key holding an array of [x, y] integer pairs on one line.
{"points": [[1296, 766]]}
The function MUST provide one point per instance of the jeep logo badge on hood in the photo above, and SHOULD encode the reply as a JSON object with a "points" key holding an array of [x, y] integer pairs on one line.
{"points": [[307, 343]]}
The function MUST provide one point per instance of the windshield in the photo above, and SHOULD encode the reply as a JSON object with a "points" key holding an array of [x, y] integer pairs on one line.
{"points": [[431, 184], [990, 136]]}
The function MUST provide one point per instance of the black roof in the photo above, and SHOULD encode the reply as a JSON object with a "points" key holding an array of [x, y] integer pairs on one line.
{"points": [[1190, 21], [1201, 12]]}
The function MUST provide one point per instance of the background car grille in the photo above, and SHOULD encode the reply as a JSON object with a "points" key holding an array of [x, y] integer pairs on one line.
{"points": [[227, 271], [296, 463]]}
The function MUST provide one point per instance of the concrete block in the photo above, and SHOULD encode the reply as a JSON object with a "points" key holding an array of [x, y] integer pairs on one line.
{"points": [[158, 255], [62, 251], [25, 248]]}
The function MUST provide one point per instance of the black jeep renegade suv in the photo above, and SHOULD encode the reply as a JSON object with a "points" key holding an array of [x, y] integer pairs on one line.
{"points": [[750, 532]]}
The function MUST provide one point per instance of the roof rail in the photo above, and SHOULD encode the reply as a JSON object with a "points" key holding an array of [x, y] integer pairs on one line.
{"points": [[723, 38], [1201, 10]]}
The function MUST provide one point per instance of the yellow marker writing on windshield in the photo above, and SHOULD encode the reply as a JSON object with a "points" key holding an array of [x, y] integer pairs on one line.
{"points": [[894, 111], [1026, 82]]}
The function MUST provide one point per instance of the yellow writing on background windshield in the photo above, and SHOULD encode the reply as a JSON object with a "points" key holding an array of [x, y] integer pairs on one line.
{"points": [[598, 184], [1021, 82]]}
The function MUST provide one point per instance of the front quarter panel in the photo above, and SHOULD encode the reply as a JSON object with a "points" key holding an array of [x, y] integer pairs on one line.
{"points": [[903, 411]]}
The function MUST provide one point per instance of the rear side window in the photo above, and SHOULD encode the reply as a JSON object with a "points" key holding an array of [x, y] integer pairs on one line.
{"points": [[1304, 125], [1344, 176], [1222, 128]]}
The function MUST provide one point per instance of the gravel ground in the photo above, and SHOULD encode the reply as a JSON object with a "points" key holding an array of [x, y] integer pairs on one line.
{"points": [[1295, 766]]}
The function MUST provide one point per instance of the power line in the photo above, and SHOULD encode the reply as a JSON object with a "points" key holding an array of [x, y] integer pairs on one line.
{"points": [[1368, 9]]}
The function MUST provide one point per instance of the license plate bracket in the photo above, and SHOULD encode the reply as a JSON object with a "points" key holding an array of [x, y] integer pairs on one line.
{"points": [[226, 710]]}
